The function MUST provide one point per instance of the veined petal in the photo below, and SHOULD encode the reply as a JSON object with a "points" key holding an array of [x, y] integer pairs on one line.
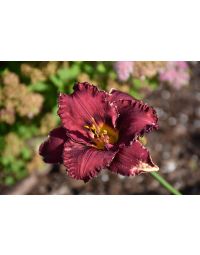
{"points": [[85, 107], [85, 162], [133, 160], [52, 149], [135, 119]]}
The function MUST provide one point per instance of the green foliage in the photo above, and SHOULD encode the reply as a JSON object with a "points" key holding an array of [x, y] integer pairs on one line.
{"points": [[101, 68], [2, 143], [88, 68], [14, 169], [141, 87], [25, 131], [39, 87], [65, 77], [26, 153], [67, 74]]}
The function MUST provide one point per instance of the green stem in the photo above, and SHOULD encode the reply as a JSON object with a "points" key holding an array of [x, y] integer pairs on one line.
{"points": [[165, 184]]}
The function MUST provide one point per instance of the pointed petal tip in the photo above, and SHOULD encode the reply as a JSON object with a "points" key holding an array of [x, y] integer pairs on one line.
{"points": [[111, 91], [133, 160], [61, 94], [143, 167]]}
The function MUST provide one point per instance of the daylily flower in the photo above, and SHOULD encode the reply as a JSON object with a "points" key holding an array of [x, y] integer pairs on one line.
{"points": [[100, 130]]}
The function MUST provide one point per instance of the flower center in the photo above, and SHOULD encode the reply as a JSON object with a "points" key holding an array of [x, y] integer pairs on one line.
{"points": [[102, 135]]}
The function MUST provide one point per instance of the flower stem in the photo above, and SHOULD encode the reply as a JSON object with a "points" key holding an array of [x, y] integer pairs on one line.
{"points": [[165, 184]]}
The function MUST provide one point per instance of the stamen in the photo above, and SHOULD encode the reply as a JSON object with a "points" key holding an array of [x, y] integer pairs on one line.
{"points": [[95, 124], [105, 132], [102, 134]]}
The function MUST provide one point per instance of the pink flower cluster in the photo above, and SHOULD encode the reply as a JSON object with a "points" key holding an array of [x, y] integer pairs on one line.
{"points": [[176, 73], [124, 69]]}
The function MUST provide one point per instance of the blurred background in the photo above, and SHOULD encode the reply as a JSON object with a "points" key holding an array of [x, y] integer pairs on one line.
{"points": [[28, 111]]}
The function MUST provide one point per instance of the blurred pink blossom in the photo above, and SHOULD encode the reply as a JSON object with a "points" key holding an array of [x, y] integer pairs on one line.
{"points": [[124, 69], [176, 73]]}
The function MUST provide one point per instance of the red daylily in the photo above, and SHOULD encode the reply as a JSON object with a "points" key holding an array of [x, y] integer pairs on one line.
{"points": [[100, 130]]}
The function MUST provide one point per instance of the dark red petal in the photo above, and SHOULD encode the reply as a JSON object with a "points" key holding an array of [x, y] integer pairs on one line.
{"points": [[135, 119], [84, 105], [116, 95], [84, 162], [52, 149], [133, 160]]}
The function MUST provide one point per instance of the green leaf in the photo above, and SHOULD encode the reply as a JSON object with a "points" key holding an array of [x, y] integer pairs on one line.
{"points": [[66, 74], [39, 87], [9, 180], [26, 131], [6, 161], [153, 84], [56, 81], [112, 75], [17, 166], [2, 143], [101, 68], [3, 128], [135, 94], [137, 83], [88, 68], [26, 153]]}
